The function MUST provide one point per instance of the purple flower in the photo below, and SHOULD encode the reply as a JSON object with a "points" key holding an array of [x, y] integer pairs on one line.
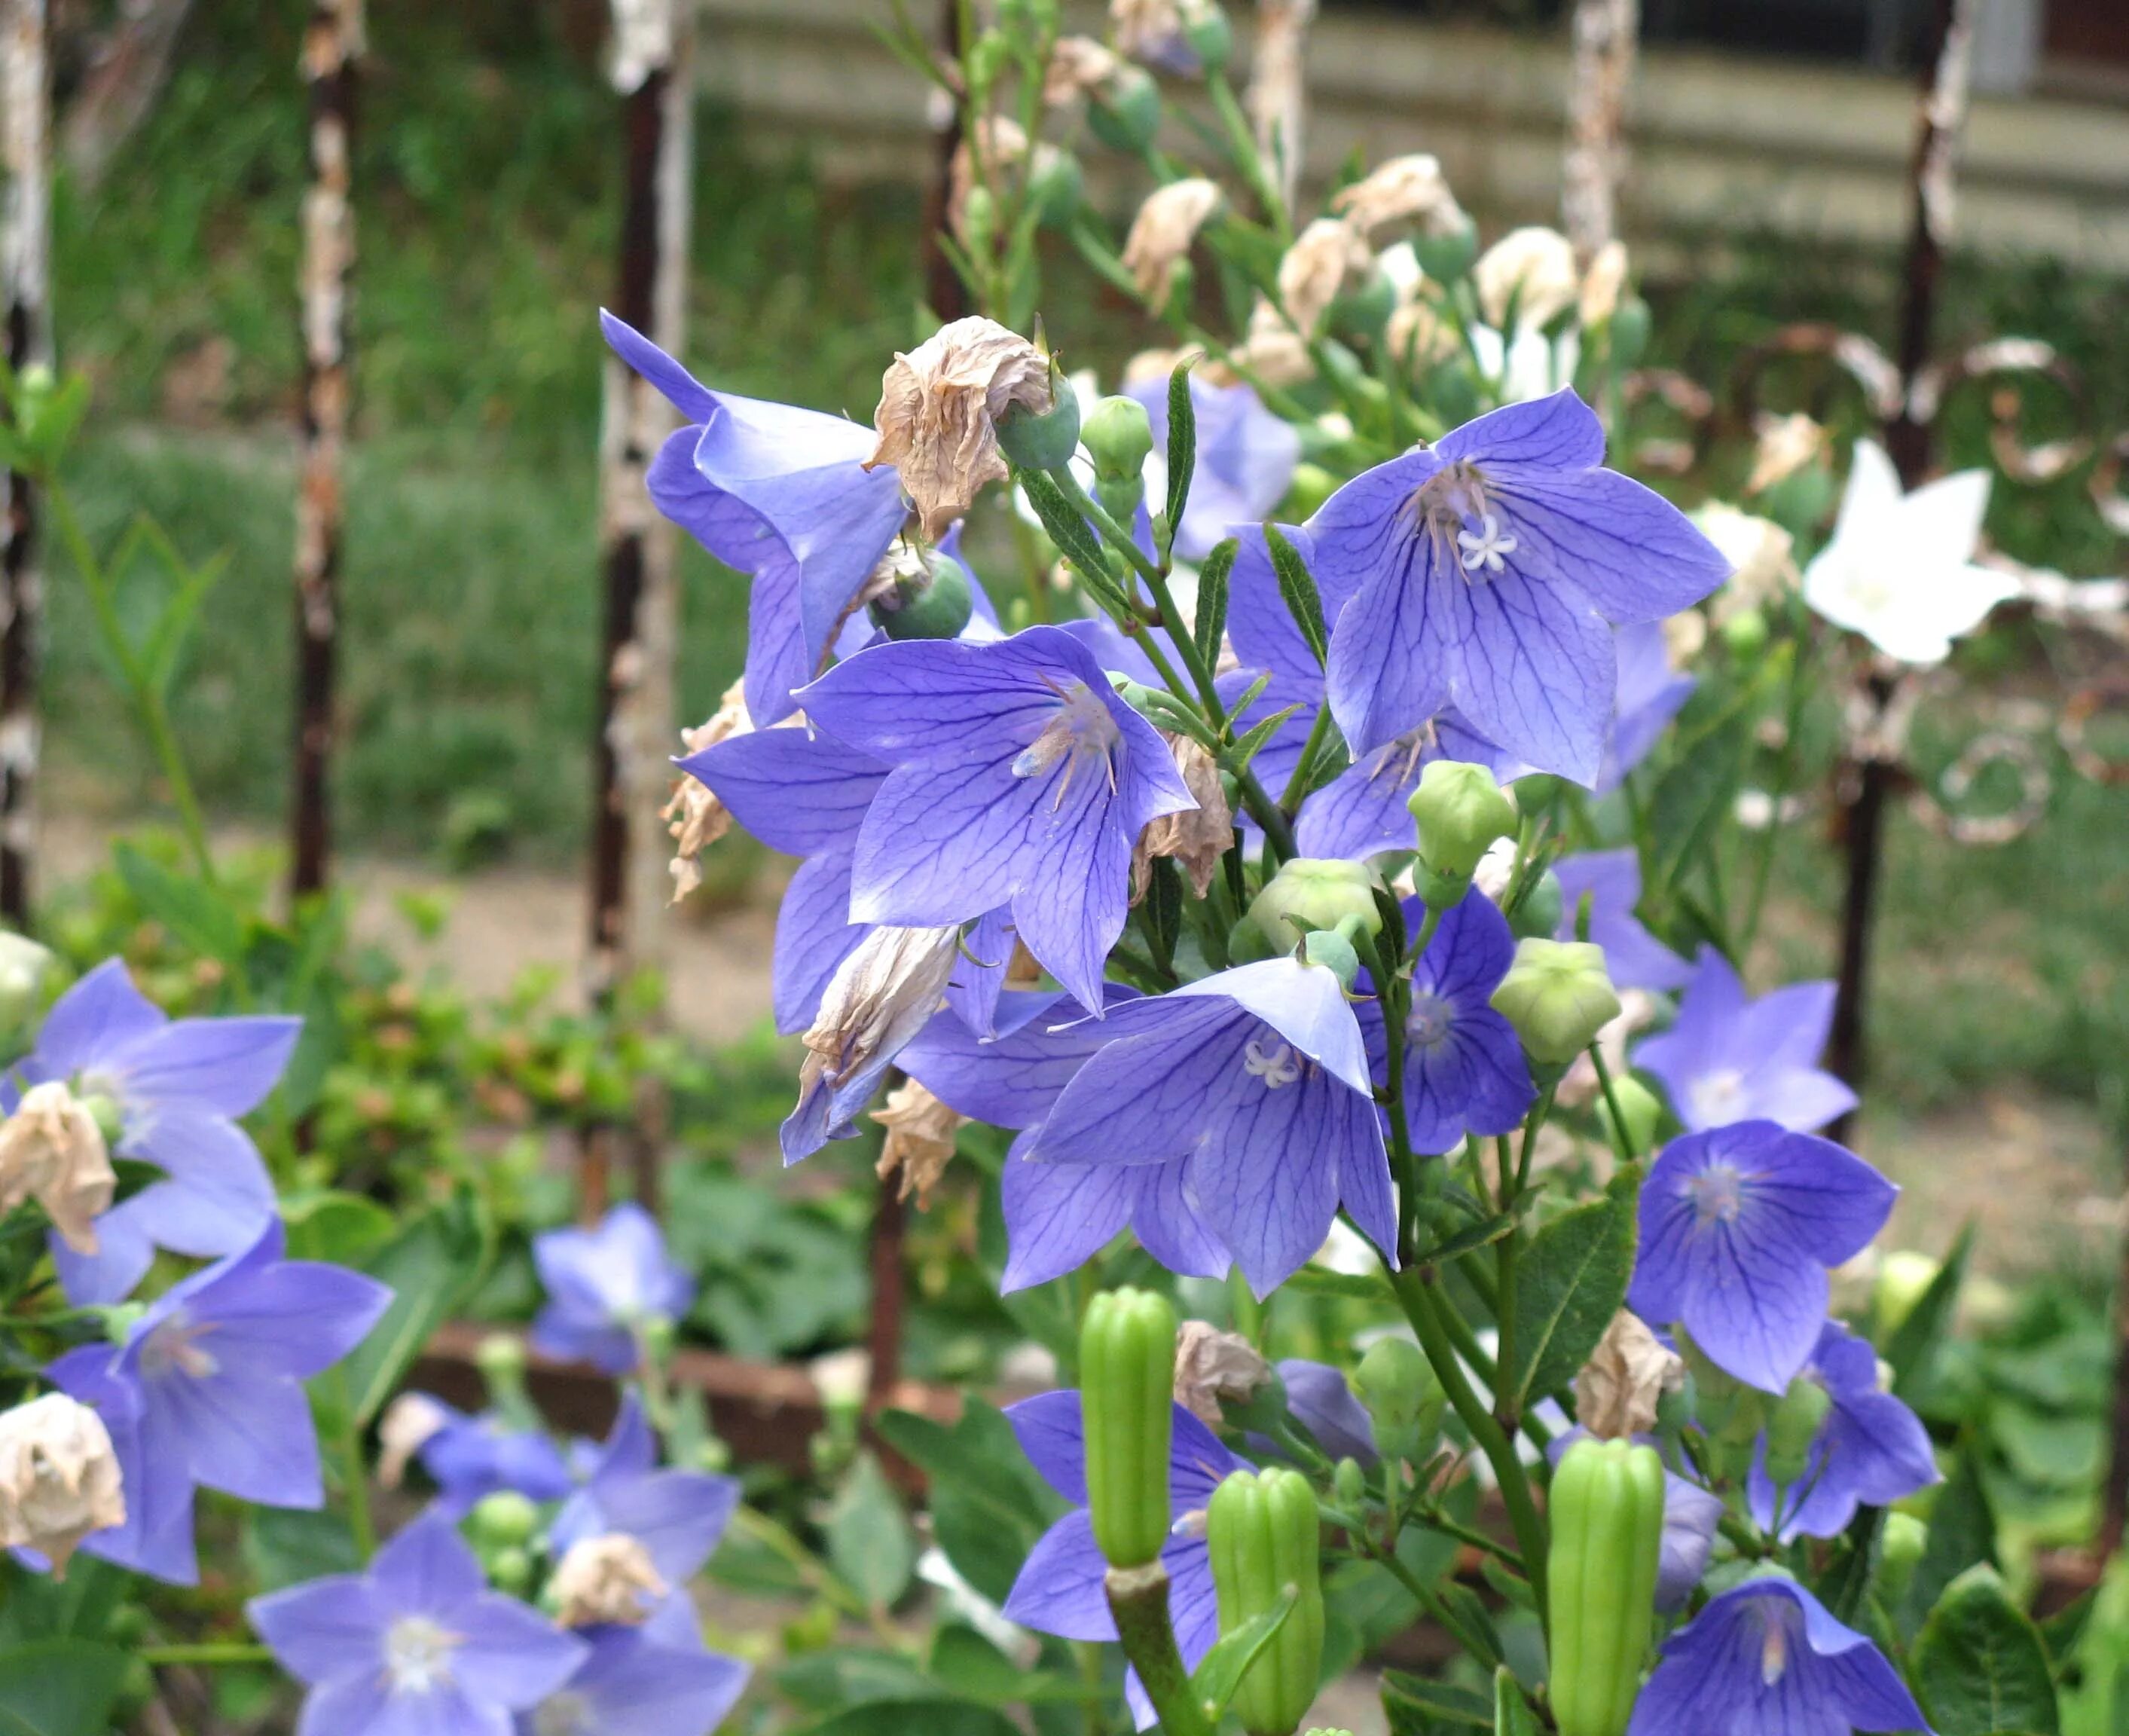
{"points": [[1728, 1059], [1766, 1658], [655, 1680], [1245, 458], [678, 1516], [207, 1391], [1060, 1587], [781, 495], [1738, 1226], [417, 1646], [1650, 694], [470, 1458], [1691, 1517], [1362, 811], [1612, 879], [1258, 1076], [1464, 1067], [177, 1086], [1871, 1449], [1322, 1400], [1059, 1216], [603, 1286], [1020, 779], [1485, 570]]}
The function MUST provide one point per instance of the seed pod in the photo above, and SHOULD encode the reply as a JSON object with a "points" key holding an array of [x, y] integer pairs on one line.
{"points": [[1403, 1398], [1260, 1531], [1607, 1513], [1126, 1386]]}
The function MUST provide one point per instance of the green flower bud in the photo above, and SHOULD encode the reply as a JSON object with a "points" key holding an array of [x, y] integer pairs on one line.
{"points": [[23, 965], [110, 1120], [1334, 952], [1056, 187], [1247, 943], [1639, 1110], [1445, 258], [1363, 312], [1558, 997], [1320, 895], [1044, 441], [1745, 635], [1349, 1482], [1630, 331], [1403, 1397], [1126, 1399], [500, 1358], [502, 1520], [1311, 487], [1127, 115], [980, 220], [1798, 1416], [1903, 1279], [510, 1572], [931, 597], [1117, 436], [1607, 1512], [1261, 1536], [1537, 916], [1459, 811], [1120, 497], [1211, 37], [1900, 1548]]}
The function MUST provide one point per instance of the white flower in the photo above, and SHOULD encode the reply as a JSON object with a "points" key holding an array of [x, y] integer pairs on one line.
{"points": [[1533, 366], [1532, 267], [1899, 568]]}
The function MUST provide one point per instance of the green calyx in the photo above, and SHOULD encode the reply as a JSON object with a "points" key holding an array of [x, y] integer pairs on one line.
{"points": [[1118, 436], [1042, 439], [1607, 1513], [1403, 1397], [1558, 996], [1459, 811], [1127, 1397], [1308, 894], [1261, 1537], [932, 597]]}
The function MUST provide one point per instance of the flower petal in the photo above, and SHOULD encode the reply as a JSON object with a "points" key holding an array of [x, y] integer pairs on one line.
{"points": [[1060, 1587], [320, 1629], [796, 791], [1058, 1216]]}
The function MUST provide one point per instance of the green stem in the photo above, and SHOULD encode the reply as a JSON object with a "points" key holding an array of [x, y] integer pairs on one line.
{"points": [[1297, 786], [211, 1652], [1784, 772], [1429, 1600], [1242, 143], [1138, 1599], [1435, 1520], [1621, 1141], [354, 1471]]}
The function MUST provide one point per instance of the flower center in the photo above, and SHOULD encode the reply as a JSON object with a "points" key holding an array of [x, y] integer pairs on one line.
{"points": [[1191, 1525], [1717, 1193], [173, 1348], [1080, 728], [1774, 1641], [1450, 509], [1428, 1022], [1398, 760], [1717, 1095], [1274, 1062], [417, 1654]]}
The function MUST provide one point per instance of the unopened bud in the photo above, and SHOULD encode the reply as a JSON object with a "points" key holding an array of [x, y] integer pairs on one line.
{"points": [[1350, 1484], [1127, 1405], [1744, 634], [1261, 1537], [1900, 1547], [1459, 811], [23, 965], [1118, 436], [1211, 37], [1126, 116], [1403, 1397], [1445, 258], [1307, 892], [1634, 1129], [500, 1358], [1630, 325], [1055, 187], [1607, 1511], [502, 1520], [1558, 997], [1537, 914], [1904, 1277], [510, 1572], [1798, 1416]]}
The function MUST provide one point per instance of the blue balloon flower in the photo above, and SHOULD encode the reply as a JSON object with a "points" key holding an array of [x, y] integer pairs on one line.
{"points": [[1728, 1059], [602, 1285]]}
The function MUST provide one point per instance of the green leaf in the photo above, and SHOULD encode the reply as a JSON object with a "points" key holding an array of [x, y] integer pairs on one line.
{"points": [[2062, 1631], [60, 1687], [1413, 1703], [1696, 791], [1511, 1713], [988, 1510], [1483, 1234], [1464, 1604], [1962, 1535], [1074, 538], [1299, 589], [1913, 1344], [285, 1546], [1181, 449], [902, 1717], [1981, 1665], [193, 912], [339, 1228], [1571, 1281], [964, 1662], [430, 1266], [1236, 759], [1213, 573], [870, 1541], [1213, 1682]]}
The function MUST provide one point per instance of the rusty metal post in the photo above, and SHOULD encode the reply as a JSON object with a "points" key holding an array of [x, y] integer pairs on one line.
{"points": [[653, 72], [1867, 780], [333, 60], [945, 294], [26, 234], [1603, 35]]}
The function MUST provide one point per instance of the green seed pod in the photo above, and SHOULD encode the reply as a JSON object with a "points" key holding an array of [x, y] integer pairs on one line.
{"points": [[1211, 37], [1558, 997], [1445, 258], [1127, 115], [1744, 634], [1459, 811], [1537, 916], [1350, 1484], [932, 597], [1639, 1110], [1607, 1513], [1403, 1397], [501, 1520], [1126, 1399], [1260, 1533], [1044, 441], [1321, 893], [1798, 1416], [1899, 1552], [1630, 331], [1117, 436], [1056, 187]]}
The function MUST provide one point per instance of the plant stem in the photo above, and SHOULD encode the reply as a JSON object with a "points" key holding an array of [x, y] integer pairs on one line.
{"points": [[1297, 786], [1138, 1599], [211, 1651], [1621, 1141], [353, 1469], [1429, 1600]]}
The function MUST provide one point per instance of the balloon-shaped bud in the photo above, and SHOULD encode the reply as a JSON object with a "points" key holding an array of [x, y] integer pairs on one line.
{"points": [[1640, 1111], [1349, 1482], [1126, 1398], [1261, 1536], [1459, 811], [1307, 892], [1538, 913], [1403, 1397], [1558, 996], [1117, 436], [1606, 1509], [504, 1520]]}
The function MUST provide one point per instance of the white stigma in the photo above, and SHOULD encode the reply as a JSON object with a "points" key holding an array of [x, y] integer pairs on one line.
{"points": [[1191, 1526], [1773, 1650], [1483, 552], [1429, 1021], [1080, 728], [418, 1655], [1717, 1194], [1276, 1065]]}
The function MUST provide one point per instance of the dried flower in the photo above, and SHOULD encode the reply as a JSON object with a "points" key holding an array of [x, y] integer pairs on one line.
{"points": [[1079, 67], [920, 1140], [1197, 838], [1162, 232], [1419, 337], [938, 413], [1327, 258], [1787, 444], [1603, 284], [1534, 269], [604, 1580], [1616, 1393], [1274, 351], [51, 1150], [1407, 189], [410, 1422], [59, 1477], [694, 816], [1762, 554], [1211, 1365], [879, 998]]}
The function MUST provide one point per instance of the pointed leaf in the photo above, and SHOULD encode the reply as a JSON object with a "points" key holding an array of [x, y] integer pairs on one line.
{"points": [[1211, 623], [1981, 1666], [1913, 1344], [1414, 1703], [60, 1687], [1511, 1713], [870, 1541], [1303, 602], [1182, 447], [1214, 1681], [431, 1266], [1237, 758], [1571, 1281]]}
